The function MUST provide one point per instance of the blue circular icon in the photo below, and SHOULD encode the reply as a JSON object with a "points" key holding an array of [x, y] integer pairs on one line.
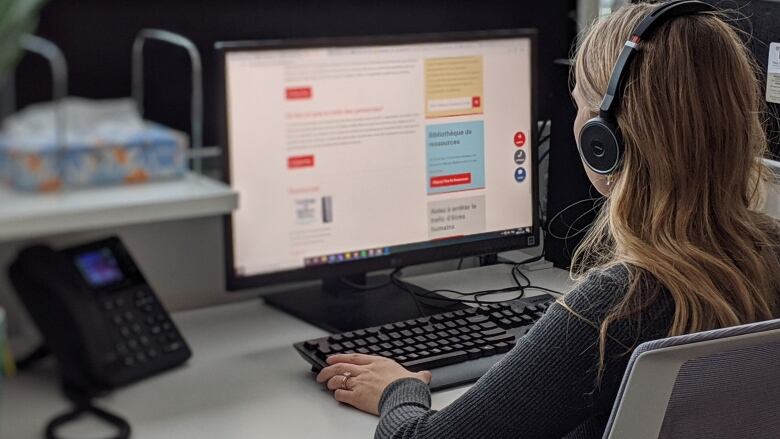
{"points": [[520, 174]]}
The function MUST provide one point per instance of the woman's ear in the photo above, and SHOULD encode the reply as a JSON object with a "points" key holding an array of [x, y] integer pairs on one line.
{"points": [[602, 183]]}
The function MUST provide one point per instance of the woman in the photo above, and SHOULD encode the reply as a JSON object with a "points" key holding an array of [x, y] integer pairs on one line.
{"points": [[677, 247]]}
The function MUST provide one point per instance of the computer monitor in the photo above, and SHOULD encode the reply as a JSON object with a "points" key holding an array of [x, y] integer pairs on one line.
{"points": [[358, 154]]}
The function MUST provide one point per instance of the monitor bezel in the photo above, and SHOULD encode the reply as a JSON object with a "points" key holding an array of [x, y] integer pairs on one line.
{"points": [[235, 281]]}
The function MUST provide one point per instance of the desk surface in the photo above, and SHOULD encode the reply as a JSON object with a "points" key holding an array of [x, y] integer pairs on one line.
{"points": [[243, 381]]}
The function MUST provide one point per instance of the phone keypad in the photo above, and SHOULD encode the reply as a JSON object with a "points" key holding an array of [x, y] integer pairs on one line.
{"points": [[143, 331]]}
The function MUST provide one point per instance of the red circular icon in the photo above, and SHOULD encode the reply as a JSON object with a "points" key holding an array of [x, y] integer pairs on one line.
{"points": [[519, 139]]}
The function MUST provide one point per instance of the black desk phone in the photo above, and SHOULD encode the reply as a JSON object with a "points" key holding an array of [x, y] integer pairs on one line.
{"points": [[97, 314]]}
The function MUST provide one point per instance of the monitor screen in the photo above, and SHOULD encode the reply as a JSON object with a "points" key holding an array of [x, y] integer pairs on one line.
{"points": [[352, 153]]}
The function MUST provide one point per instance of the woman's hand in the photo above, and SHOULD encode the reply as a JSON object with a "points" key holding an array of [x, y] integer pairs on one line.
{"points": [[359, 380]]}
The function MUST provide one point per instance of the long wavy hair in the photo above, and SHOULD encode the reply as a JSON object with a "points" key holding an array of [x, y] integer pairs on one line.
{"points": [[683, 207]]}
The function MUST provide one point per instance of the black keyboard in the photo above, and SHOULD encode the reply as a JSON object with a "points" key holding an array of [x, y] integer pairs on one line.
{"points": [[458, 347]]}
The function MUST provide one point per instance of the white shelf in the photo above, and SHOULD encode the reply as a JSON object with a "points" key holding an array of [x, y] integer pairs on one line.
{"points": [[25, 215]]}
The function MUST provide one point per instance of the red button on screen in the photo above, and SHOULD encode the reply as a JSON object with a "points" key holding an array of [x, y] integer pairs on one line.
{"points": [[300, 161], [298, 93], [451, 180], [519, 138]]}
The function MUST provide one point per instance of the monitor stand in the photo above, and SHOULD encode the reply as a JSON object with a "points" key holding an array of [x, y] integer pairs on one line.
{"points": [[336, 307]]}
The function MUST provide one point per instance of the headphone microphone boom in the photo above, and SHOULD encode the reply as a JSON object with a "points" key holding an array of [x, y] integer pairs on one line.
{"points": [[600, 143]]}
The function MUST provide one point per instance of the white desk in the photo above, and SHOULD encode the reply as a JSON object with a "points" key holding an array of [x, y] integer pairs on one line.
{"points": [[244, 381]]}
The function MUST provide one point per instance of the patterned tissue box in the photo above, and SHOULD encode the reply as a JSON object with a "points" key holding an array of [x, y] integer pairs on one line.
{"points": [[152, 153]]}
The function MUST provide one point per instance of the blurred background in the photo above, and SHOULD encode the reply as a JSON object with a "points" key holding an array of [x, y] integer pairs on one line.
{"points": [[179, 246]]}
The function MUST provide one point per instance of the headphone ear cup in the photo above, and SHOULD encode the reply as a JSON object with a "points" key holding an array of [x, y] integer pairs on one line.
{"points": [[601, 146]]}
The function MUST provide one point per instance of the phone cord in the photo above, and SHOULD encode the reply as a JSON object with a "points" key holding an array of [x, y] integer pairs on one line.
{"points": [[81, 408]]}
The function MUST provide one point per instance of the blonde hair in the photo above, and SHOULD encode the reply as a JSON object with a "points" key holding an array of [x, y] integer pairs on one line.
{"points": [[683, 205]]}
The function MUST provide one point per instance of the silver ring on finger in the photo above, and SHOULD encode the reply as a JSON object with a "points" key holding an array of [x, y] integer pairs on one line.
{"points": [[345, 380]]}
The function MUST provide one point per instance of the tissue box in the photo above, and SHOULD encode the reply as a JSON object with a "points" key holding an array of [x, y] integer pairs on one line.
{"points": [[106, 143], [153, 153]]}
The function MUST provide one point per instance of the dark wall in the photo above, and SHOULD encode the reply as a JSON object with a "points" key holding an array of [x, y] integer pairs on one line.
{"points": [[96, 37]]}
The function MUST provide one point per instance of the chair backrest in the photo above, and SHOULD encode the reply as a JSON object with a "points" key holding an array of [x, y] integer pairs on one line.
{"points": [[723, 383]]}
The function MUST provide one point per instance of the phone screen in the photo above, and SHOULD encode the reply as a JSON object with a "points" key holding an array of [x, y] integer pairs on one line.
{"points": [[99, 267]]}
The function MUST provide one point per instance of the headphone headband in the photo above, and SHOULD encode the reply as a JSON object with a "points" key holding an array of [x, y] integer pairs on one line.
{"points": [[643, 31]]}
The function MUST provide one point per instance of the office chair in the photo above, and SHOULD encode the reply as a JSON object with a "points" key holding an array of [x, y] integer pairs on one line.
{"points": [[723, 383]]}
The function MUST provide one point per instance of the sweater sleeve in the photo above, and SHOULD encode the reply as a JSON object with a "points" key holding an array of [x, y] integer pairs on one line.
{"points": [[544, 387]]}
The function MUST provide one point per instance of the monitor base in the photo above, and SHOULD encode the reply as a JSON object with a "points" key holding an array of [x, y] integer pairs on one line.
{"points": [[335, 307]]}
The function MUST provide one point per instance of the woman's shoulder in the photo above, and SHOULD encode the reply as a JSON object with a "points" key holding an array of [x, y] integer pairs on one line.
{"points": [[604, 289]]}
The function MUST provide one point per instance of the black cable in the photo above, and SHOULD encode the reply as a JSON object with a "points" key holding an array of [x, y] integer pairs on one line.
{"points": [[543, 156], [79, 410], [31, 359], [82, 404], [395, 280], [522, 283]]}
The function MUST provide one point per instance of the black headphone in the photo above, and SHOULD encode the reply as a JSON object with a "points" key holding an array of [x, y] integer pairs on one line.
{"points": [[601, 145]]}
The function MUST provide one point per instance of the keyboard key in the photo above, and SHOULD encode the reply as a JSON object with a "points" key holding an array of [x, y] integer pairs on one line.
{"points": [[488, 350], [501, 338], [474, 353], [435, 361], [477, 319], [502, 347], [492, 332]]}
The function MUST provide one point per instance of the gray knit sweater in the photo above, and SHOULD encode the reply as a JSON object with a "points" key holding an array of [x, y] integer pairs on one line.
{"points": [[547, 386]]}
